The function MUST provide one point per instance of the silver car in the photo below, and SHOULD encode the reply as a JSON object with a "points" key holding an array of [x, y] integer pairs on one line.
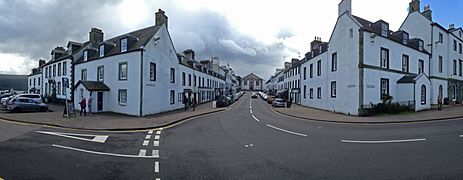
{"points": [[278, 103], [20, 104]]}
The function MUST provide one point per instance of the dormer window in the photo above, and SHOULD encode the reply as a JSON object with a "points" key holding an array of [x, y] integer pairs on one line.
{"points": [[384, 29], [85, 55], [102, 50], [405, 38], [420, 45], [124, 45]]}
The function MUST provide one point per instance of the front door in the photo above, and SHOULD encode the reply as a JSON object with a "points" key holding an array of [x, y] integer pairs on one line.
{"points": [[100, 101]]}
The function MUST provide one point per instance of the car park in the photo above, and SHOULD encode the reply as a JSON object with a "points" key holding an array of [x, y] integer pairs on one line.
{"points": [[278, 103], [22, 104]]}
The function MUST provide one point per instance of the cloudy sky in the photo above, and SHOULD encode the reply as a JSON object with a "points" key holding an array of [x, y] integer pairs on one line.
{"points": [[252, 36]]}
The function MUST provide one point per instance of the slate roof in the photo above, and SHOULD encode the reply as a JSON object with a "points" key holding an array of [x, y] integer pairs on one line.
{"points": [[407, 79], [252, 76], [93, 85], [142, 36]]}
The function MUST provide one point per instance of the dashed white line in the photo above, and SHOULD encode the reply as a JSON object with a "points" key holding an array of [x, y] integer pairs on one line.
{"points": [[142, 152], [156, 167], [148, 136], [155, 153], [286, 131], [255, 118], [150, 132], [157, 137], [145, 143], [155, 143], [461, 136], [158, 132], [103, 153], [250, 111], [383, 141]]}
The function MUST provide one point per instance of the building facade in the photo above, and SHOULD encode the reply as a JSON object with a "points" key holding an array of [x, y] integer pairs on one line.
{"points": [[252, 82]]}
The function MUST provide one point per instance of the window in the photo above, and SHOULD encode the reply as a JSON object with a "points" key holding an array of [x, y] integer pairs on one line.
{"points": [[305, 92], [460, 67], [420, 66], [64, 68], [455, 67], [351, 33], [152, 71], [405, 63], [180, 97], [334, 62], [85, 55], [441, 61], [123, 71], [459, 48], [189, 79], [172, 97], [311, 93], [405, 38], [30, 82], [441, 38], [124, 45], [257, 83], [319, 93], [100, 73], [122, 97], [59, 69], [384, 29], [423, 94], [83, 76], [54, 70], [319, 68], [194, 80], [46, 72], [333, 89], [420, 45], [183, 79], [49, 71], [64, 90], [384, 58], [311, 70], [102, 50], [441, 91], [455, 45], [384, 88], [245, 83], [172, 75], [59, 88]]}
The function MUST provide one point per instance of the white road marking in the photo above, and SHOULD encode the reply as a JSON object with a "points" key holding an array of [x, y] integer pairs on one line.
{"points": [[148, 136], [286, 131], [381, 142], [96, 138], [461, 136], [150, 132], [158, 132], [161, 129], [145, 143], [156, 167], [103, 153], [255, 118], [142, 152], [250, 111], [157, 137], [158, 178], [155, 143], [155, 153]]}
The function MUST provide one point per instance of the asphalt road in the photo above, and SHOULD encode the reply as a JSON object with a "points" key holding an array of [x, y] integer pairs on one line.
{"points": [[248, 141]]}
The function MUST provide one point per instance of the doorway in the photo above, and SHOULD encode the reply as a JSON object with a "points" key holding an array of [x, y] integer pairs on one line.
{"points": [[100, 101]]}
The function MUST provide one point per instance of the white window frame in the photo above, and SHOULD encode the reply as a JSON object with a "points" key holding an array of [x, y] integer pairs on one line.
{"points": [[100, 73], [123, 71], [124, 44], [333, 89], [85, 55], [122, 97], [102, 50], [152, 71], [405, 63], [83, 75]]}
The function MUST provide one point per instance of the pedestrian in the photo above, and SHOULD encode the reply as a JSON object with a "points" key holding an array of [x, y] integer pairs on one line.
{"points": [[83, 105], [185, 101], [90, 99], [194, 102], [439, 102], [290, 102]]}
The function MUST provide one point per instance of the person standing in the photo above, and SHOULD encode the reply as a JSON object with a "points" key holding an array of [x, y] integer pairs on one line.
{"points": [[194, 102], [439, 102], [90, 99], [185, 101], [83, 105]]}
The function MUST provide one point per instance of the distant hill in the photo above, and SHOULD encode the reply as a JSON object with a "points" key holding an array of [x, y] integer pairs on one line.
{"points": [[16, 82]]}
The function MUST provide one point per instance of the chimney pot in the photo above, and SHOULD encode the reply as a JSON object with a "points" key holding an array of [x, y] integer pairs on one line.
{"points": [[414, 6], [96, 36], [161, 18]]}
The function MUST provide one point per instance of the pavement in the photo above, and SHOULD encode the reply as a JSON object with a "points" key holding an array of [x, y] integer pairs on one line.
{"points": [[107, 121], [307, 113]]}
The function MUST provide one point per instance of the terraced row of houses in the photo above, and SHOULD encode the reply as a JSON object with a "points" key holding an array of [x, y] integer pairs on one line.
{"points": [[365, 62], [137, 73]]}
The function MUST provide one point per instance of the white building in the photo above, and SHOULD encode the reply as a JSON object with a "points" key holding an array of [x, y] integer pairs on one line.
{"points": [[252, 82], [140, 73], [363, 63], [34, 79]]}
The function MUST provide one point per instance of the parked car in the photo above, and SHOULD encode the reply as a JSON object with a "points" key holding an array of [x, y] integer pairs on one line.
{"points": [[4, 101], [222, 101], [254, 95], [278, 103], [270, 99], [20, 104]]}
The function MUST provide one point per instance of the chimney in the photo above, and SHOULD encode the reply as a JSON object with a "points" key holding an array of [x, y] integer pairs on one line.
{"points": [[41, 62], [189, 53], [287, 65], [96, 36], [345, 6], [57, 52], [294, 61], [414, 6], [451, 26], [427, 12], [161, 18], [315, 44]]}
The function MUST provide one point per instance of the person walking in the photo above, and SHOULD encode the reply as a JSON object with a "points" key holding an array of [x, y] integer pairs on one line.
{"points": [[194, 102], [83, 105], [185, 101], [90, 99], [439, 102]]}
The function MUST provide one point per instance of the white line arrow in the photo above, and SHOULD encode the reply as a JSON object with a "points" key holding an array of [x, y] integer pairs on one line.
{"points": [[94, 138]]}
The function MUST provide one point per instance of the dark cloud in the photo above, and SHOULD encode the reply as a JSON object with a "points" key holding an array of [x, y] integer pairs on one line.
{"points": [[32, 28]]}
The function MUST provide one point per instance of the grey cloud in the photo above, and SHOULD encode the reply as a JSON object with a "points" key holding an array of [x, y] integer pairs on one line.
{"points": [[284, 34]]}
